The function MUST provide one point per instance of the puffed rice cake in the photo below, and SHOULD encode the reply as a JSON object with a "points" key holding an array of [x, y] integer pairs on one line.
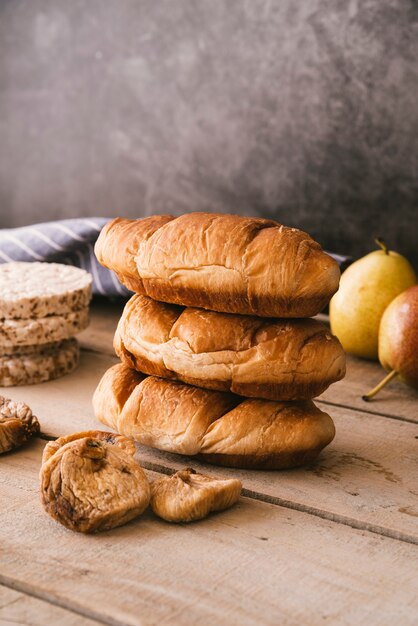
{"points": [[29, 290], [41, 330], [38, 364]]}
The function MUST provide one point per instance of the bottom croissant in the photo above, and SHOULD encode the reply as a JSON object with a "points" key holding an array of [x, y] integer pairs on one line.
{"points": [[219, 427]]}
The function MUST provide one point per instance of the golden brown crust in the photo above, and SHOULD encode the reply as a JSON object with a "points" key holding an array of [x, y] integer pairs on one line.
{"points": [[262, 461], [159, 410], [253, 357], [187, 420], [219, 262], [127, 235]]}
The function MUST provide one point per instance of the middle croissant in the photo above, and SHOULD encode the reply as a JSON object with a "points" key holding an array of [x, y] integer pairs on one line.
{"points": [[275, 359]]}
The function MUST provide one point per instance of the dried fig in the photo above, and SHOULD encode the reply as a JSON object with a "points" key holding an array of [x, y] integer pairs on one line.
{"points": [[187, 496], [17, 424], [121, 441], [91, 484]]}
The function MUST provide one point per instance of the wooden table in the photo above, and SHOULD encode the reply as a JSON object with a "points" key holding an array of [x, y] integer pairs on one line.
{"points": [[333, 543]]}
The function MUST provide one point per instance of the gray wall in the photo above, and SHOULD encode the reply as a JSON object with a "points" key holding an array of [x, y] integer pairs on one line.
{"points": [[302, 110]]}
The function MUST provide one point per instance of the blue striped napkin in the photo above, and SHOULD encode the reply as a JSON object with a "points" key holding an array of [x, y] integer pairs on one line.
{"points": [[71, 242], [65, 241]]}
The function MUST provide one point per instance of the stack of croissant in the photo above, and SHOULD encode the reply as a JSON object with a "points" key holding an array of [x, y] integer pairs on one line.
{"points": [[219, 355]]}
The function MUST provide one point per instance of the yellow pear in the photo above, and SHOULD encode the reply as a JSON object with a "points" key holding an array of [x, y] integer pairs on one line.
{"points": [[366, 288]]}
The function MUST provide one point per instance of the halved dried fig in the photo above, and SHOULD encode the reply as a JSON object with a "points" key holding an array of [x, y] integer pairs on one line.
{"points": [[17, 424], [125, 443], [187, 496], [91, 484]]}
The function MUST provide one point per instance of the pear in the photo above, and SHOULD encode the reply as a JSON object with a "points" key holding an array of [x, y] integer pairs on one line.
{"points": [[366, 288], [398, 340]]}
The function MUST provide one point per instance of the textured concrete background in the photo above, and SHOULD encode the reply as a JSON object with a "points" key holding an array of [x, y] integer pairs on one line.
{"points": [[305, 111]]}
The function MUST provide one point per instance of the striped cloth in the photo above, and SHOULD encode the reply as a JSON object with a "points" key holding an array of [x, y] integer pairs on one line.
{"points": [[71, 242], [65, 241]]}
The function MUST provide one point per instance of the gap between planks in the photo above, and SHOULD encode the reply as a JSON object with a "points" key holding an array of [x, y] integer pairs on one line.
{"points": [[76, 608], [367, 411], [56, 600], [337, 518], [82, 610]]}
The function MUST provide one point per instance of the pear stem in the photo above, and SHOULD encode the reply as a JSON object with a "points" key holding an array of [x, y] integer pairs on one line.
{"points": [[380, 242], [380, 386]]}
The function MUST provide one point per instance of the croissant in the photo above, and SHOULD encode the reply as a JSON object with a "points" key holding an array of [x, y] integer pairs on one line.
{"points": [[250, 356], [219, 427], [225, 263]]}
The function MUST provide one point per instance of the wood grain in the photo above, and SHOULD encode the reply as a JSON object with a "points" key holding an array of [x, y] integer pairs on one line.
{"points": [[254, 564], [367, 477], [258, 563], [396, 400], [20, 608], [104, 317]]}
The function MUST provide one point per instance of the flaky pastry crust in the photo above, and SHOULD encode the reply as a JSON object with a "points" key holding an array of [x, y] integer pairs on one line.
{"points": [[220, 427], [253, 357], [221, 262]]}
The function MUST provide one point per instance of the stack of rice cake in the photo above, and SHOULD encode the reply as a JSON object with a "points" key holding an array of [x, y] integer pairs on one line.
{"points": [[42, 307]]}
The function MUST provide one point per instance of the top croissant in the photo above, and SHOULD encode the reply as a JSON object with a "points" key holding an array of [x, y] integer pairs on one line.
{"points": [[225, 263]]}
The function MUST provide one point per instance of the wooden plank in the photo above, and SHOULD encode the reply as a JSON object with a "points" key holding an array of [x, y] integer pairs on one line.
{"points": [[104, 317], [65, 405], [397, 400], [19, 608], [254, 564], [367, 477]]}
